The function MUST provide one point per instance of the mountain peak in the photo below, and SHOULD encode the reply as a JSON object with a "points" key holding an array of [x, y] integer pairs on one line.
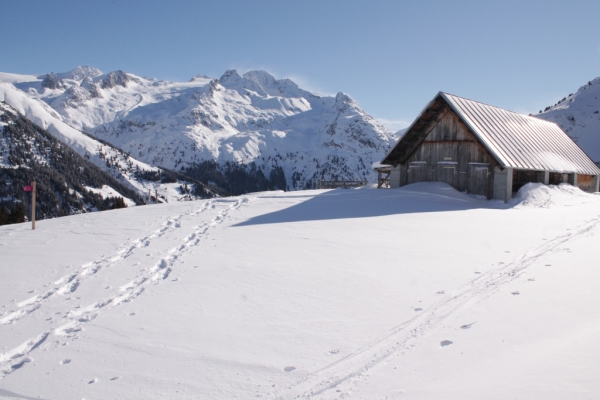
{"points": [[342, 98], [199, 77], [52, 81], [115, 78], [263, 78], [229, 75], [81, 72]]}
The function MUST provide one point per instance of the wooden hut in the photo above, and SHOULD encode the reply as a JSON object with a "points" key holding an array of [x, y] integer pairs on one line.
{"points": [[486, 150]]}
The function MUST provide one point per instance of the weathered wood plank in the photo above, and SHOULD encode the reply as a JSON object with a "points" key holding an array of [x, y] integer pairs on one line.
{"points": [[449, 141]]}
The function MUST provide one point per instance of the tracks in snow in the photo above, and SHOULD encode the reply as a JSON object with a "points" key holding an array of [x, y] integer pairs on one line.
{"points": [[73, 319], [70, 283], [406, 335]]}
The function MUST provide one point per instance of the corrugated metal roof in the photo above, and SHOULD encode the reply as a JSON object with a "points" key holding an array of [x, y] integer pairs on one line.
{"points": [[521, 141]]}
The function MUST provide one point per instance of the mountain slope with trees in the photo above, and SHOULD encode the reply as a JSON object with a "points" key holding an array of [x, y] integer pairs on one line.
{"points": [[578, 114], [64, 179]]}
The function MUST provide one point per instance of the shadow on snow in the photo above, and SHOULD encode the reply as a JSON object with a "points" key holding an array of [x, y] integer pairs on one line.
{"points": [[365, 203]]}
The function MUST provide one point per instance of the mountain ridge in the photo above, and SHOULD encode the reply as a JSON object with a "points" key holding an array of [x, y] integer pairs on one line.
{"points": [[244, 119], [578, 114]]}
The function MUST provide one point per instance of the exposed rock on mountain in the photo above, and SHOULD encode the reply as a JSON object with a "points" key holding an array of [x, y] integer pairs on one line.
{"points": [[112, 79], [52, 81]]}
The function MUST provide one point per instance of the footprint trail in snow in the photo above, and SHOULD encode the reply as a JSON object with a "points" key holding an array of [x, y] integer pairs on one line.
{"points": [[72, 320], [406, 335]]}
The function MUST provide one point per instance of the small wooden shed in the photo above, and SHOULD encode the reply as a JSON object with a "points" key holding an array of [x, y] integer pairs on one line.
{"points": [[486, 150]]}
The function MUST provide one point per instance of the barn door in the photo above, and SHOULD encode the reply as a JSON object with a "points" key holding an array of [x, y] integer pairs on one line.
{"points": [[478, 177], [447, 173], [417, 172]]}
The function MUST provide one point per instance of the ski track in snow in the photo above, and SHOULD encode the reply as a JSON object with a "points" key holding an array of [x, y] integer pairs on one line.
{"points": [[404, 337], [16, 358]]}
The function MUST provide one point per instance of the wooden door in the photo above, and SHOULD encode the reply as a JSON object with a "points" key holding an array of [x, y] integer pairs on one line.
{"points": [[417, 172], [478, 179], [447, 172]]}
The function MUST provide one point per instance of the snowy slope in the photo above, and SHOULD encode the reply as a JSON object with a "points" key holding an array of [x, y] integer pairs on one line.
{"points": [[414, 293], [579, 116], [249, 118]]}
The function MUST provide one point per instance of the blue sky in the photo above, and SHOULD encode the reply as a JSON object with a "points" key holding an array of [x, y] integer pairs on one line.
{"points": [[392, 57]]}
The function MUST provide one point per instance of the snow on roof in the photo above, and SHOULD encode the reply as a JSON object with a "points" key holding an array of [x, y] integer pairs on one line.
{"points": [[378, 165], [517, 140]]}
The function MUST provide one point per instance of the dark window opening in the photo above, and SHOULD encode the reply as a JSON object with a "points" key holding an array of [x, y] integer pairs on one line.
{"points": [[555, 178], [520, 178]]}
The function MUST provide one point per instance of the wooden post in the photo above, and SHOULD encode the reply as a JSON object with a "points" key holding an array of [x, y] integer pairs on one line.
{"points": [[156, 191], [149, 196], [33, 206]]}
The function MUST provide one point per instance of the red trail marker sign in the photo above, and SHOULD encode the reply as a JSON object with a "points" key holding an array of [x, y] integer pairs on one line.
{"points": [[32, 190]]}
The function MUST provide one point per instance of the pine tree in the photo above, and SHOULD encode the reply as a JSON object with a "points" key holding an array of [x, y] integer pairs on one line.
{"points": [[17, 214], [3, 215]]}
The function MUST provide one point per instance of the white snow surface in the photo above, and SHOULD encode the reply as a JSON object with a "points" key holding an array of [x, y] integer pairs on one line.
{"points": [[420, 292], [106, 191], [18, 78], [248, 118]]}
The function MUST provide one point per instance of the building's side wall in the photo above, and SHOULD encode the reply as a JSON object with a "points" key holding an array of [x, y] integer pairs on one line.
{"points": [[395, 177], [451, 153], [503, 183], [587, 183]]}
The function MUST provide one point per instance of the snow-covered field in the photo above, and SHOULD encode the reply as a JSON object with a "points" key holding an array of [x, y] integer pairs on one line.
{"points": [[413, 293]]}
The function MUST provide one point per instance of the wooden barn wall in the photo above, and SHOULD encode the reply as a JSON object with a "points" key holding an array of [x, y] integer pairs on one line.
{"points": [[450, 144], [586, 183]]}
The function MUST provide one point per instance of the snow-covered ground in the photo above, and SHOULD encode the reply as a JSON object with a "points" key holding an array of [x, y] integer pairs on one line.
{"points": [[413, 293], [106, 191]]}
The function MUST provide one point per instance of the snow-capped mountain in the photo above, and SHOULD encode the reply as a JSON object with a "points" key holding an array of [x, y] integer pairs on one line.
{"points": [[237, 119], [578, 114]]}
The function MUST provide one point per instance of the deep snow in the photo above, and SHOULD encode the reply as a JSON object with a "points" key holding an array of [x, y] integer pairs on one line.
{"points": [[412, 293]]}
